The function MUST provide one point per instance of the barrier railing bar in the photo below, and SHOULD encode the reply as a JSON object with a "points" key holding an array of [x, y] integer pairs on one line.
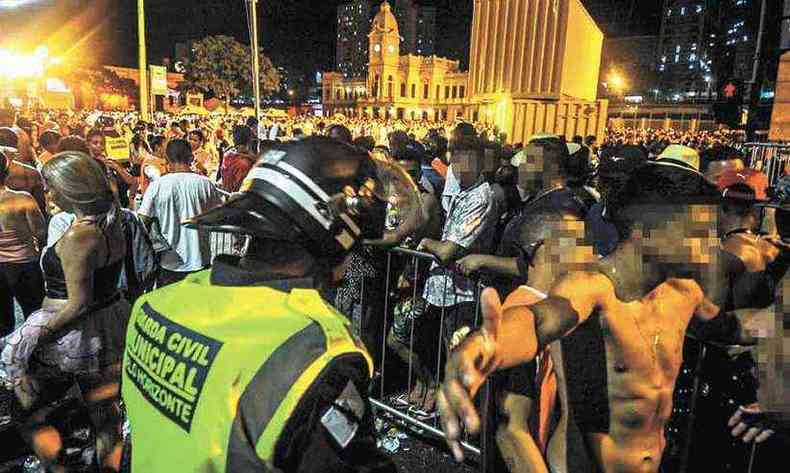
{"points": [[442, 341], [386, 313], [684, 459], [436, 432], [411, 320], [415, 253]]}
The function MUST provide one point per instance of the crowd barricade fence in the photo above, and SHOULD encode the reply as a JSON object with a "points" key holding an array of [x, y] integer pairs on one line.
{"points": [[771, 158], [227, 243], [693, 388], [391, 401]]}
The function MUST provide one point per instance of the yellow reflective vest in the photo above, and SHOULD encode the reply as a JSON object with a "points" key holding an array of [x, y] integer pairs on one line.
{"points": [[201, 360]]}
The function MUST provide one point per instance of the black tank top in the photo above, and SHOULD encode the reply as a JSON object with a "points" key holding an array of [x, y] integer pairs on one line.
{"points": [[105, 279]]}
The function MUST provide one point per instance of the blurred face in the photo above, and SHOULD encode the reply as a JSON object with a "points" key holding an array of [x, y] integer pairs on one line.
{"points": [[96, 145], [466, 167]]}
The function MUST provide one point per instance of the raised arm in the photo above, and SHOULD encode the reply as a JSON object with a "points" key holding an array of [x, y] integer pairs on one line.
{"points": [[513, 334]]}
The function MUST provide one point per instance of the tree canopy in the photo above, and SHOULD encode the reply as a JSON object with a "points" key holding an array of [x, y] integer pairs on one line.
{"points": [[222, 65]]}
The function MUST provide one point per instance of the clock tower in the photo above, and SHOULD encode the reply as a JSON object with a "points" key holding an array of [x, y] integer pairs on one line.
{"points": [[384, 53]]}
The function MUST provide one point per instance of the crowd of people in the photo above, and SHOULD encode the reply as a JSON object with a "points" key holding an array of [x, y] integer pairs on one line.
{"points": [[609, 250]]}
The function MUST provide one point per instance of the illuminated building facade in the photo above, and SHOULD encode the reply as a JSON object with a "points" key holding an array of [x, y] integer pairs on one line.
{"points": [[353, 24], [684, 49], [397, 85], [533, 68]]}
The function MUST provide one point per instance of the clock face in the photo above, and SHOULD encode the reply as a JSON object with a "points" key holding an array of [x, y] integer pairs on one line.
{"points": [[377, 48], [391, 48]]}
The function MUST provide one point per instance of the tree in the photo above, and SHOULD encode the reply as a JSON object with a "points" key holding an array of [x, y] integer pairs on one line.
{"points": [[221, 65], [269, 76]]}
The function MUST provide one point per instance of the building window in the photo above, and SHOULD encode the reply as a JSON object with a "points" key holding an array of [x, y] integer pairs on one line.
{"points": [[446, 92], [414, 91], [389, 87], [337, 95], [438, 88], [403, 89], [425, 91], [462, 91], [376, 86], [455, 91]]}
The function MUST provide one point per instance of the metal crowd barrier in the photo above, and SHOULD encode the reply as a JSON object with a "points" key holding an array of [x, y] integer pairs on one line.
{"points": [[386, 400], [227, 243], [770, 158], [697, 391]]}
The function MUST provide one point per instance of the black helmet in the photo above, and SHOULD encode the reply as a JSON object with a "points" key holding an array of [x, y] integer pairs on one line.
{"points": [[319, 192]]}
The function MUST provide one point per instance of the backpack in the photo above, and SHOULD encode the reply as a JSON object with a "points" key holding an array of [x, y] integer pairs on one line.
{"points": [[141, 264]]}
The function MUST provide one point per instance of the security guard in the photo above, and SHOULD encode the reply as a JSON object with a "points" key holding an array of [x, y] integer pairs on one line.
{"points": [[244, 367]]}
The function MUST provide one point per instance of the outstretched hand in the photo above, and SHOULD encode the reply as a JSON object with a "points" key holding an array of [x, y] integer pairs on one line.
{"points": [[750, 423], [466, 370]]}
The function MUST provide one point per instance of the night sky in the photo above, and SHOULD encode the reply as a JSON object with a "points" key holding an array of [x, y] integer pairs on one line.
{"points": [[298, 34]]}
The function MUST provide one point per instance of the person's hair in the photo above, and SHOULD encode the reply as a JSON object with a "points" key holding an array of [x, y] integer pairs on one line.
{"points": [[138, 140], [179, 151], [49, 138], [366, 143], [199, 134], [578, 139], [7, 117], [242, 135], [175, 125], [81, 181], [156, 141], [94, 132], [740, 206], [73, 143], [297, 132], [340, 133], [653, 192], [590, 140], [470, 144], [398, 141], [556, 156], [252, 122], [3, 167], [8, 137]]}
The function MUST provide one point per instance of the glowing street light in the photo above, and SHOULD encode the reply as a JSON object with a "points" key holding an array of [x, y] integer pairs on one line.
{"points": [[617, 82], [14, 3]]}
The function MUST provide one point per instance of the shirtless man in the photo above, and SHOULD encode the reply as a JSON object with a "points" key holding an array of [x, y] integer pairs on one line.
{"points": [[22, 233], [22, 172], [643, 296]]}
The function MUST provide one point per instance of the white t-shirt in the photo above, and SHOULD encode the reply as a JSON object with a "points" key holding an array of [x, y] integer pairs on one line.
{"points": [[172, 199]]}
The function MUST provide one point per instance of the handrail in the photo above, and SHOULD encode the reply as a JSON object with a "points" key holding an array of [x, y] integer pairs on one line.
{"points": [[416, 254]]}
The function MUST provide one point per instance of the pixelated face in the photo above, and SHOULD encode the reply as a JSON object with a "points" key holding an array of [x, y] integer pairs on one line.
{"points": [[771, 327], [566, 248], [466, 166], [686, 235]]}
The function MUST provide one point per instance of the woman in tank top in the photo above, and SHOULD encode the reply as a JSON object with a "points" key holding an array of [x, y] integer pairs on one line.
{"points": [[78, 335]]}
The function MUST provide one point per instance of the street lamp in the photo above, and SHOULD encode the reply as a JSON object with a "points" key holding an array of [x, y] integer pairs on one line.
{"points": [[617, 82], [143, 60]]}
